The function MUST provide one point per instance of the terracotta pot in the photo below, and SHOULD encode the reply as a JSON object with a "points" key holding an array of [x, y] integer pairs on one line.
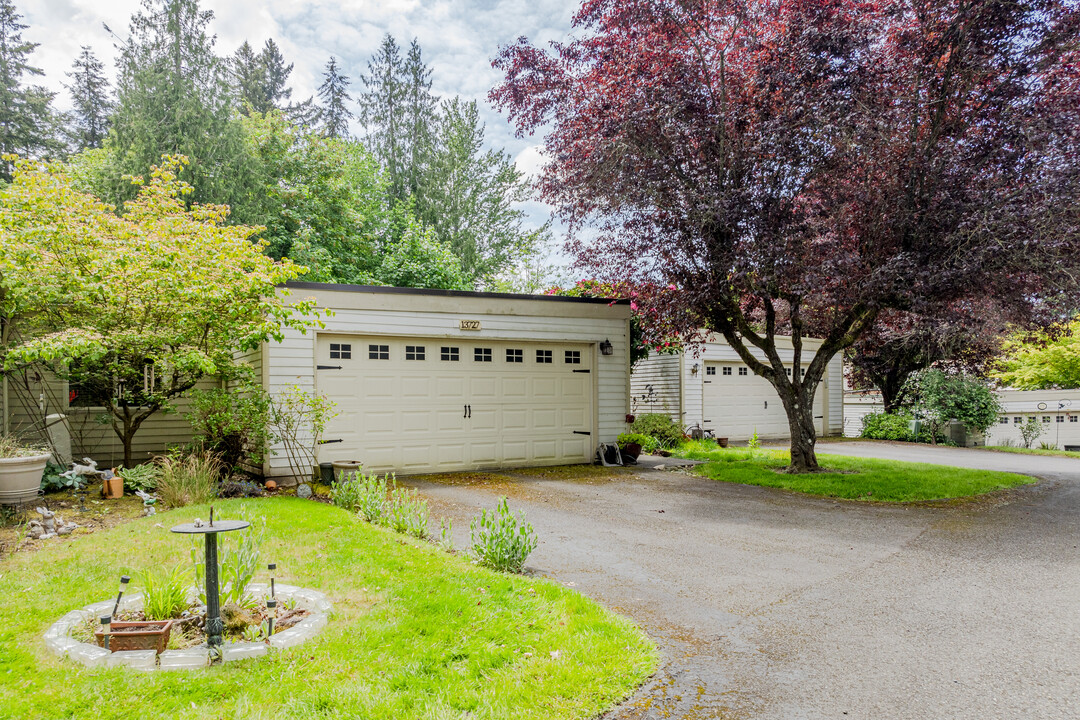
{"points": [[20, 478], [140, 635], [722, 442], [113, 488]]}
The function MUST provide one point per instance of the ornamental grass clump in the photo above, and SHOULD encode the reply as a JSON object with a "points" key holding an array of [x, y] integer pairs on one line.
{"points": [[500, 540], [164, 593], [188, 480]]}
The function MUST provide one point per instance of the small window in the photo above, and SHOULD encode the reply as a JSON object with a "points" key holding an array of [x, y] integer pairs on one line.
{"points": [[1017, 420], [515, 356], [742, 371], [1060, 418], [573, 357], [415, 352], [378, 352], [482, 354], [710, 370], [1046, 418], [726, 371], [787, 370], [340, 351], [1003, 421], [450, 354], [543, 357], [1072, 418]]}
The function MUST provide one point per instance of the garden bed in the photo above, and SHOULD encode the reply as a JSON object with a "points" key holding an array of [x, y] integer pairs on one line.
{"points": [[414, 632]]}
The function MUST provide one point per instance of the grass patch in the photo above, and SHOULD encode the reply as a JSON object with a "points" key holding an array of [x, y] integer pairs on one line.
{"points": [[1031, 451], [848, 477], [415, 633]]}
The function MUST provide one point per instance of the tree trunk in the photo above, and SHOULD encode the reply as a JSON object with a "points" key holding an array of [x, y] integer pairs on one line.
{"points": [[800, 414]]}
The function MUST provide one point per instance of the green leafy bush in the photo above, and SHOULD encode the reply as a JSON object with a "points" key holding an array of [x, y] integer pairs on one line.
{"points": [[232, 424], [945, 396], [53, 481], [141, 477], [164, 593], [500, 540], [363, 494], [641, 439], [659, 427], [895, 426], [1030, 431], [347, 490]]}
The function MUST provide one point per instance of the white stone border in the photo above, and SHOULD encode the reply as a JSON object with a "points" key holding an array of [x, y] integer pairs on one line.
{"points": [[59, 641]]}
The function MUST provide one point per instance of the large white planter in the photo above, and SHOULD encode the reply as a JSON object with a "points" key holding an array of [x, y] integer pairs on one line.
{"points": [[20, 478]]}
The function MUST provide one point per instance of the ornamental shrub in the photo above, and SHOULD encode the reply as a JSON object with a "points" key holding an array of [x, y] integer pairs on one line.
{"points": [[501, 541], [659, 427]]}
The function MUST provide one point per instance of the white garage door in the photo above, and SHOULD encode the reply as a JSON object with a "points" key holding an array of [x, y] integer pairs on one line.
{"points": [[436, 405], [737, 402]]}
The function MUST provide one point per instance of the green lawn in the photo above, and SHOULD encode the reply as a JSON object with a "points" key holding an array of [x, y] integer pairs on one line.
{"points": [[1032, 451], [853, 478], [415, 633]]}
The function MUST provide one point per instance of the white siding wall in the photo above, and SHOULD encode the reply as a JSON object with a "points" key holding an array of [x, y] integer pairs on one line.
{"points": [[1025, 403], [292, 361], [655, 387], [680, 390], [856, 407]]}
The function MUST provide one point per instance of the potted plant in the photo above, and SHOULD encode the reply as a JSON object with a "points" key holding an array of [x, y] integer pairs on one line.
{"points": [[21, 469], [630, 444]]}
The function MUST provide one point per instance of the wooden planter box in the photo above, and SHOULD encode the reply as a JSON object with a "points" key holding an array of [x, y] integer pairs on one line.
{"points": [[140, 635]]}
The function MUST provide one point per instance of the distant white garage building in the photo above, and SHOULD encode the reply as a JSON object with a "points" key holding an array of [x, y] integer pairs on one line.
{"points": [[715, 390], [439, 381]]}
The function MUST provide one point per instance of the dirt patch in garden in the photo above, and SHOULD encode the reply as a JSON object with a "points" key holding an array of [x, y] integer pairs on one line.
{"points": [[100, 514]]}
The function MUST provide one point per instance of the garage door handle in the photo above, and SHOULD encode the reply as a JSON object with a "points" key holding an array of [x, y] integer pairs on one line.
{"points": [[468, 411], [582, 432], [327, 367], [327, 442], [583, 371]]}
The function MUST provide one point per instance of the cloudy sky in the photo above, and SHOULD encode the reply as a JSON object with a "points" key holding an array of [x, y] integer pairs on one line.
{"points": [[459, 38]]}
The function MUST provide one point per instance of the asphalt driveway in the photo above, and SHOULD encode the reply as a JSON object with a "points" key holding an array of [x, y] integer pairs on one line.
{"points": [[771, 605]]}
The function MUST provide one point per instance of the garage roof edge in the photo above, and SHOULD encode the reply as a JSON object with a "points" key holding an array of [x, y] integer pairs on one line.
{"points": [[384, 290]]}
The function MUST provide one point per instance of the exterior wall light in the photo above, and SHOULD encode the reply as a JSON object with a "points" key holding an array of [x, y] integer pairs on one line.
{"points": [[606, 348]]}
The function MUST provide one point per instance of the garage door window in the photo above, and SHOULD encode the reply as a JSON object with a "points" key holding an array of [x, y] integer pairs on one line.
{"points": [[414, 352], [742, 371], [1072, 418], [543, 357], [514, 355], [710, 371], [727, 371], [482, 354], [573, 357], [340, 351], [450, 354], [378, 352]]}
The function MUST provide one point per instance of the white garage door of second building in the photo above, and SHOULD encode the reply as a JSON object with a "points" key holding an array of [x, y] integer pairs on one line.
{"points": [[737, 402], [438, 405]]}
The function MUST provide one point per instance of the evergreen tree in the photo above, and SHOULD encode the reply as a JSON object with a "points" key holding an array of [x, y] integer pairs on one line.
{"points": [[26, 119], [276, 76], [382, 109], [334, 94], [420, 109], [90, 96], [174, 97], [249, 78], [468, 195], [260, 79]]}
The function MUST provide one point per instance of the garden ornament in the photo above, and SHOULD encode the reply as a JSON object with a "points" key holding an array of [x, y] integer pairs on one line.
{"points": [[77, 471], [148, 502]]}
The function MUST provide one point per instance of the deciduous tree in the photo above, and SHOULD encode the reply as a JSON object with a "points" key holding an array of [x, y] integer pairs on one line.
{"points": [[144, 303], [1042, 360], [793, 167]]}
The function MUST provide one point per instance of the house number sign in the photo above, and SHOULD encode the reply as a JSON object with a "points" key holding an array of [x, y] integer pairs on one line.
{"points": [[469, 324]]}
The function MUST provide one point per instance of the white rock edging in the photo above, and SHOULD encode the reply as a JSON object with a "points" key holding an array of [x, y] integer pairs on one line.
{"points": [[59, 641]]}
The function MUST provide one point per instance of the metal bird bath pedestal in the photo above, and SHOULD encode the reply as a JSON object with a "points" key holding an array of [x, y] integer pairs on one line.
{"points": [[214, 626]]}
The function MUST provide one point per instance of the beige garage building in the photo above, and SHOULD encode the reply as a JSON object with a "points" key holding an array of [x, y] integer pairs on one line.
{"points": [[715, 390], [439, 381]]}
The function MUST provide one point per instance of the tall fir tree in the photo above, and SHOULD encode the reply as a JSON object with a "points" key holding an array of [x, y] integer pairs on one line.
{"points": [[420, 109], [334, 94], [91, 101], [174, 97], [27, 124], [260, 79], [382, 111], [276, 91]]}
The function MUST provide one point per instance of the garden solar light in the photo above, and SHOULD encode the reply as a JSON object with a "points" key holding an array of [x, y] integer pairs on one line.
{"points": [[271, 607], [106, 621], [124, 580], [272, 567]]}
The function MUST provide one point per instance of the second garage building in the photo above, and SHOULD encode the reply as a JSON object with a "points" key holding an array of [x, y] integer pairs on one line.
{"points": [[441, 381], [715, 390]]}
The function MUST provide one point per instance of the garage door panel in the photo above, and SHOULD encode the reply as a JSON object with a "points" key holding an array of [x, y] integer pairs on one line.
{"points": [[401, 414], [737, 405]]}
